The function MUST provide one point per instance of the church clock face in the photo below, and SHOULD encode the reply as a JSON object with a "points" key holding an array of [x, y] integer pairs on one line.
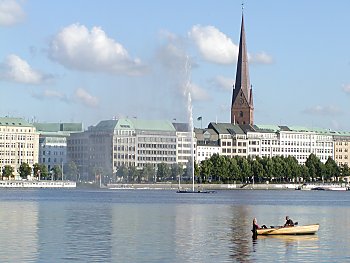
{"points": [[241, 101]]}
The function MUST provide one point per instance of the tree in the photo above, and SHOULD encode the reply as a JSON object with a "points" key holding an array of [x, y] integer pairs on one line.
{"points": [[7, 171], [148, 172], [312, 163], [176, 171], [122, 174], [163, 171], [71, 171], [56, 172], [332, 171], [40, 171], [257, 170], [24, 170], [134, 174], [205, 170]]}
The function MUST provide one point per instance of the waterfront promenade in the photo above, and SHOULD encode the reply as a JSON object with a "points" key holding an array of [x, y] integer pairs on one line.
{"points": [[175, 186]]}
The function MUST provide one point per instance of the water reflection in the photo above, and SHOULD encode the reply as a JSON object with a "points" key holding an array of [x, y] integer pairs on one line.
{"points": [[240, 238], [18, 228]]}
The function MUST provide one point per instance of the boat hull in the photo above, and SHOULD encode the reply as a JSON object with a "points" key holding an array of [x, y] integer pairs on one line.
{"points": [[294, 230]]}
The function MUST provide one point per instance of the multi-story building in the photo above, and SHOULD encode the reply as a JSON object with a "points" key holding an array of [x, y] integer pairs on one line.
{"points": [[207, 144], [232, 139], [125, 142], [271, 140], [53, 142], [184, 145], [19, 143], [342, 148]]}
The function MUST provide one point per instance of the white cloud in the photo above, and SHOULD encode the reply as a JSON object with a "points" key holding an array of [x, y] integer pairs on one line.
{"points": [[76, 47], [261, 58], [87, 99], [216, 47], [323, 110], [11, 13], [213, 45], [346, 88], [16, 69], [222, 83], [51, 94], [197, 93]]}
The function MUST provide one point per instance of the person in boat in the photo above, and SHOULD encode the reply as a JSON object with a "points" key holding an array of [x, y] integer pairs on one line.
{"points": [[256, 226], [289, 222]]}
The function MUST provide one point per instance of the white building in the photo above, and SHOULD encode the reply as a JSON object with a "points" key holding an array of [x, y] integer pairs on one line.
{"points": [[19, 143], [53, 142]]}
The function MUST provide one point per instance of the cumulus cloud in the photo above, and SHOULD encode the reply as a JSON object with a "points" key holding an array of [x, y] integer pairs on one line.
{"points": [[173, 55], [222, 83], [11, 13], [85, 98], [51, 94], [346, 88], [18, 70], [323, 110], [213, 45], [198, 93], [261, 58], [216, 47], [76, 47]]}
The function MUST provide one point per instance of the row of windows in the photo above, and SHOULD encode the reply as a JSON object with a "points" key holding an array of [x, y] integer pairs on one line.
{"points": [[341, 157], [156, 159], [150, 152], [341, 150], [14, 130], [234, 150], [15, 161], [54, 153], [159, 146], [15, 137], [17, 153], [54, 160]]}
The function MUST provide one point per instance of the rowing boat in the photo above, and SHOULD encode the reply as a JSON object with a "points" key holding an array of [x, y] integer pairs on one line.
{"points": [[289, 230]]}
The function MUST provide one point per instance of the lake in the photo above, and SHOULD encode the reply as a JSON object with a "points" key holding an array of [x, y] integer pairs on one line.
{"points": [[57, 225]]}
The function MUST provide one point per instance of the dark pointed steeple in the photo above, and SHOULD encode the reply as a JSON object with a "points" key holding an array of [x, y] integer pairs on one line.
{"points": [[242, 97]]}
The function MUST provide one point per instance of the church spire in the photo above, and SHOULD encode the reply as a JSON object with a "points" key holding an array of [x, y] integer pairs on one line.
{"points": [[242, 97]]}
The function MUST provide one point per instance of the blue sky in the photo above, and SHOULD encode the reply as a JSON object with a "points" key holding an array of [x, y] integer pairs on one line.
{"points": [[88, 60]]}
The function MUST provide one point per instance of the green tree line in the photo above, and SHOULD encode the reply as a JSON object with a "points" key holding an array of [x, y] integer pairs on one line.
{"points": [[41, 172], [279, 169]]}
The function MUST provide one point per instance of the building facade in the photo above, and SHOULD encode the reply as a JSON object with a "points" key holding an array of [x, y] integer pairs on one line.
{"points": [[342, 148], [112, 144], [19, 143], [53, 142]]}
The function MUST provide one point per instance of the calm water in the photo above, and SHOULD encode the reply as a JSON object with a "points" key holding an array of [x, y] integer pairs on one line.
{"points": [[162, 226]]}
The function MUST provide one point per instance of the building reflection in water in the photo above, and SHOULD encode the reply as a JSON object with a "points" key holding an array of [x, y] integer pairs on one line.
{"points": [[19, 225]]}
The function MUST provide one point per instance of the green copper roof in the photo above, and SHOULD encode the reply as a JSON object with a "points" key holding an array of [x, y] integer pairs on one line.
{"points": [[6, 121], [133, 124], [58, 129], [153, 125]]}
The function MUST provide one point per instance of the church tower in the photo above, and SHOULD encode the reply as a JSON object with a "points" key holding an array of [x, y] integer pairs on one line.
{"points": [[242, 109]]}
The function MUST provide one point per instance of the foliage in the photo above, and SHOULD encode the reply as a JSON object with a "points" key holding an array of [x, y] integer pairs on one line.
{"points": [[7, 171], [24, 170]]}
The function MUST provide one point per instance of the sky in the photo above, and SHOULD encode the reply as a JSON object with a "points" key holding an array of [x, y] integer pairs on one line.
{"points": [[88, 60]]}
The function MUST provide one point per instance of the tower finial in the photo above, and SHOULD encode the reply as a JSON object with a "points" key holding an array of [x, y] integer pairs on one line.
{"points": [[242, 6]]}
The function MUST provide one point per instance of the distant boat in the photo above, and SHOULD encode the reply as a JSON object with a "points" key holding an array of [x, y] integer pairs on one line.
{"points": [[291, 230], [185, 191]]}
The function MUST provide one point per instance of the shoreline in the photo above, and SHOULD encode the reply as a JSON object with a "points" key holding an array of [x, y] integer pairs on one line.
{"points": [[175, 186]]}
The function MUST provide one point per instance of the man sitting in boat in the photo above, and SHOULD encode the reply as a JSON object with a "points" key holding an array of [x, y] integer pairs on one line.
{"points": [[289, 222]]}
